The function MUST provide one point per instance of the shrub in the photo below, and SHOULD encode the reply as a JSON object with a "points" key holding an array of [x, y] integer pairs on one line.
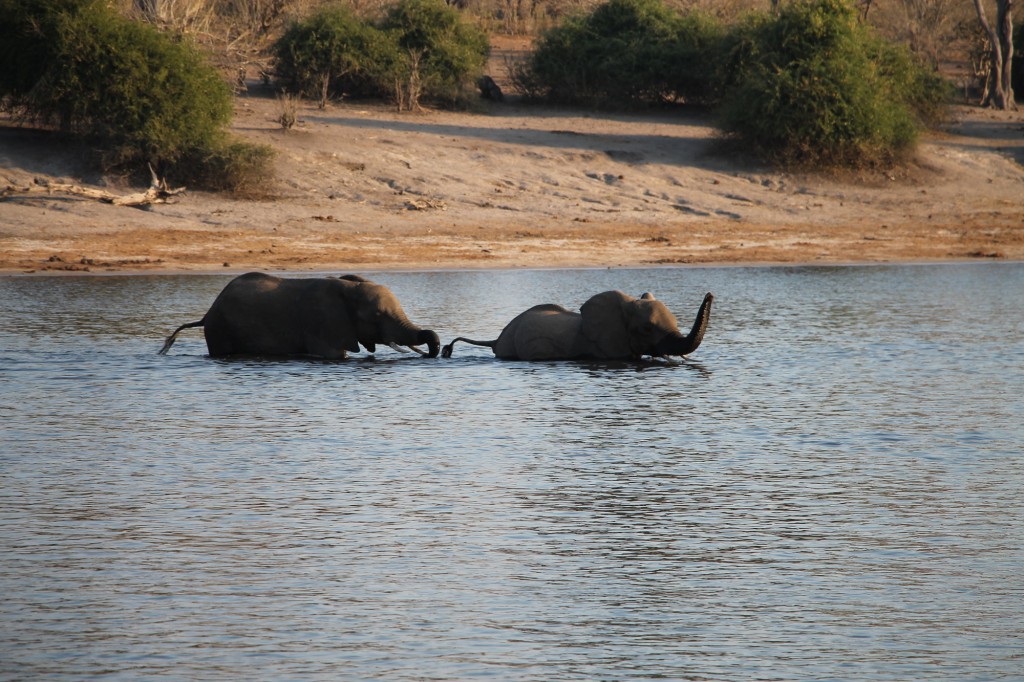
{"points": [[614, 56], [435, 53], [630, 58], [324, 55], [132, 92], [28, 29], [816, 88], [740, 51], [623, 53], [908, 80], [422, 48], [229, 164], [558, 69], [125, 83], [693, 53]]}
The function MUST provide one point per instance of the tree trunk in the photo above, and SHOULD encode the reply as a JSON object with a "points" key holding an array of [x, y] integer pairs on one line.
{"points": [[325, 89], [414, 84], [1004, 29], [158, 192], [999, 86]]}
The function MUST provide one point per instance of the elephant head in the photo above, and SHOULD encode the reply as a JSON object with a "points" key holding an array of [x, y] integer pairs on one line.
{"points": [[378, 318], [609, 326], [259, 314], [615, 325]]}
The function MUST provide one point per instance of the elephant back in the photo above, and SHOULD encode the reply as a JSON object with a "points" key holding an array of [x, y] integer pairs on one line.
{"points": [[544, 332], [604, 328]]}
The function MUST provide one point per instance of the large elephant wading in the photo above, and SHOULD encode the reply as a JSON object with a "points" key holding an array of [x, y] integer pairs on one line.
{"points": [[609, 326], [258, 314]]}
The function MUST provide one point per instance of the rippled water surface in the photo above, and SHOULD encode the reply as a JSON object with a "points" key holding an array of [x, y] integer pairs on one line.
{"points": [[831, 487]]}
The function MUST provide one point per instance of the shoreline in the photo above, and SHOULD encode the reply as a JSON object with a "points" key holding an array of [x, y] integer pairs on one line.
{"points": [[424, 269], [360, 187]]}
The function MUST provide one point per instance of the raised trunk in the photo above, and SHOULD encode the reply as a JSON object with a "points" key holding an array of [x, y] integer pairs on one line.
{"points": [[684, 345]]}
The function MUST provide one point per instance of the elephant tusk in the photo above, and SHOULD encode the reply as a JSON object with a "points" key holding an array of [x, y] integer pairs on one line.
{"points": [[395, 346], [418, 350]]}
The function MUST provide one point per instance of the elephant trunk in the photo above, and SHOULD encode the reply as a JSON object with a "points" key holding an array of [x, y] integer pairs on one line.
{"points": [[677, 344], [401, 331], [433, 341]]}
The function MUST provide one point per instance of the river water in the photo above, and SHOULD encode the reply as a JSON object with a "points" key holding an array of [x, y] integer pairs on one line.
{"points": [[830, 488]]}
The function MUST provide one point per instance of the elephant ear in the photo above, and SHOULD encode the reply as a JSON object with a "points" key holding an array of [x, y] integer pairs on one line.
{"points": [[604, 325], [342, 317], [368, 304]]}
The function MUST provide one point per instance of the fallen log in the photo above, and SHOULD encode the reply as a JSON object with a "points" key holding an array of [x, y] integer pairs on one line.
{"points": [[158, 192]]}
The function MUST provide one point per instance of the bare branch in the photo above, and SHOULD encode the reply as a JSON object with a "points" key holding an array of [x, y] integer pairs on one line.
{"points": [[158, 192]]}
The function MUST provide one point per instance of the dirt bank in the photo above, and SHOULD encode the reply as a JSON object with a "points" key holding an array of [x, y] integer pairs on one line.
{"points": [[361, 187]]}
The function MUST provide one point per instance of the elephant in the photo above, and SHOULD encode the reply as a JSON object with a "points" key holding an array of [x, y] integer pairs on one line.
{"points": [[609, 326], [489, 89], [259, 314]]}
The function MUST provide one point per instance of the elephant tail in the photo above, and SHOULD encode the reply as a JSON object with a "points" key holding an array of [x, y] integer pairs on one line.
{"points": [[446, 351], [170, 339]]}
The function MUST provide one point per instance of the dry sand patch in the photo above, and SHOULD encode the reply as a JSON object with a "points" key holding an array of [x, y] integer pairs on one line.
{"points": [[363, 187]]}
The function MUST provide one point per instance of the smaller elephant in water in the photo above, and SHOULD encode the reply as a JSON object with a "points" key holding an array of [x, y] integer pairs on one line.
{"points": [[609, 326], [326, 317]]}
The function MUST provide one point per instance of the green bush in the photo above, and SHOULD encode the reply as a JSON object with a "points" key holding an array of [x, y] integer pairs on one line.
{"points": [[229, 164], [28, 29], [740, 51], [626, 51], [813, 87], [135, 94], [436, 53], [557, 70], [126, 83], [696, 49], [422, 48], [623, 53], [328, 54], [908, 80]]}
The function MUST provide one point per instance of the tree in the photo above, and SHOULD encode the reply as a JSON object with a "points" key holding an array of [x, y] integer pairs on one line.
{"points": [[321, 55], [999, 85], [814, 87], [136, 96], [624, 53], [437, 53]]}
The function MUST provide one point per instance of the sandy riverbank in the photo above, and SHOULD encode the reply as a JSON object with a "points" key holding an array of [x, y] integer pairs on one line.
{"points": [[361, 187]]}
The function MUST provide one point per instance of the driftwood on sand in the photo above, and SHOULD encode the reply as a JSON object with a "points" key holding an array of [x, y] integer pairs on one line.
{"points": [[158, 192]]}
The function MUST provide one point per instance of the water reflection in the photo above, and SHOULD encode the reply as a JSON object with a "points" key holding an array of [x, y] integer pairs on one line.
{"points": [[828, 488]]}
